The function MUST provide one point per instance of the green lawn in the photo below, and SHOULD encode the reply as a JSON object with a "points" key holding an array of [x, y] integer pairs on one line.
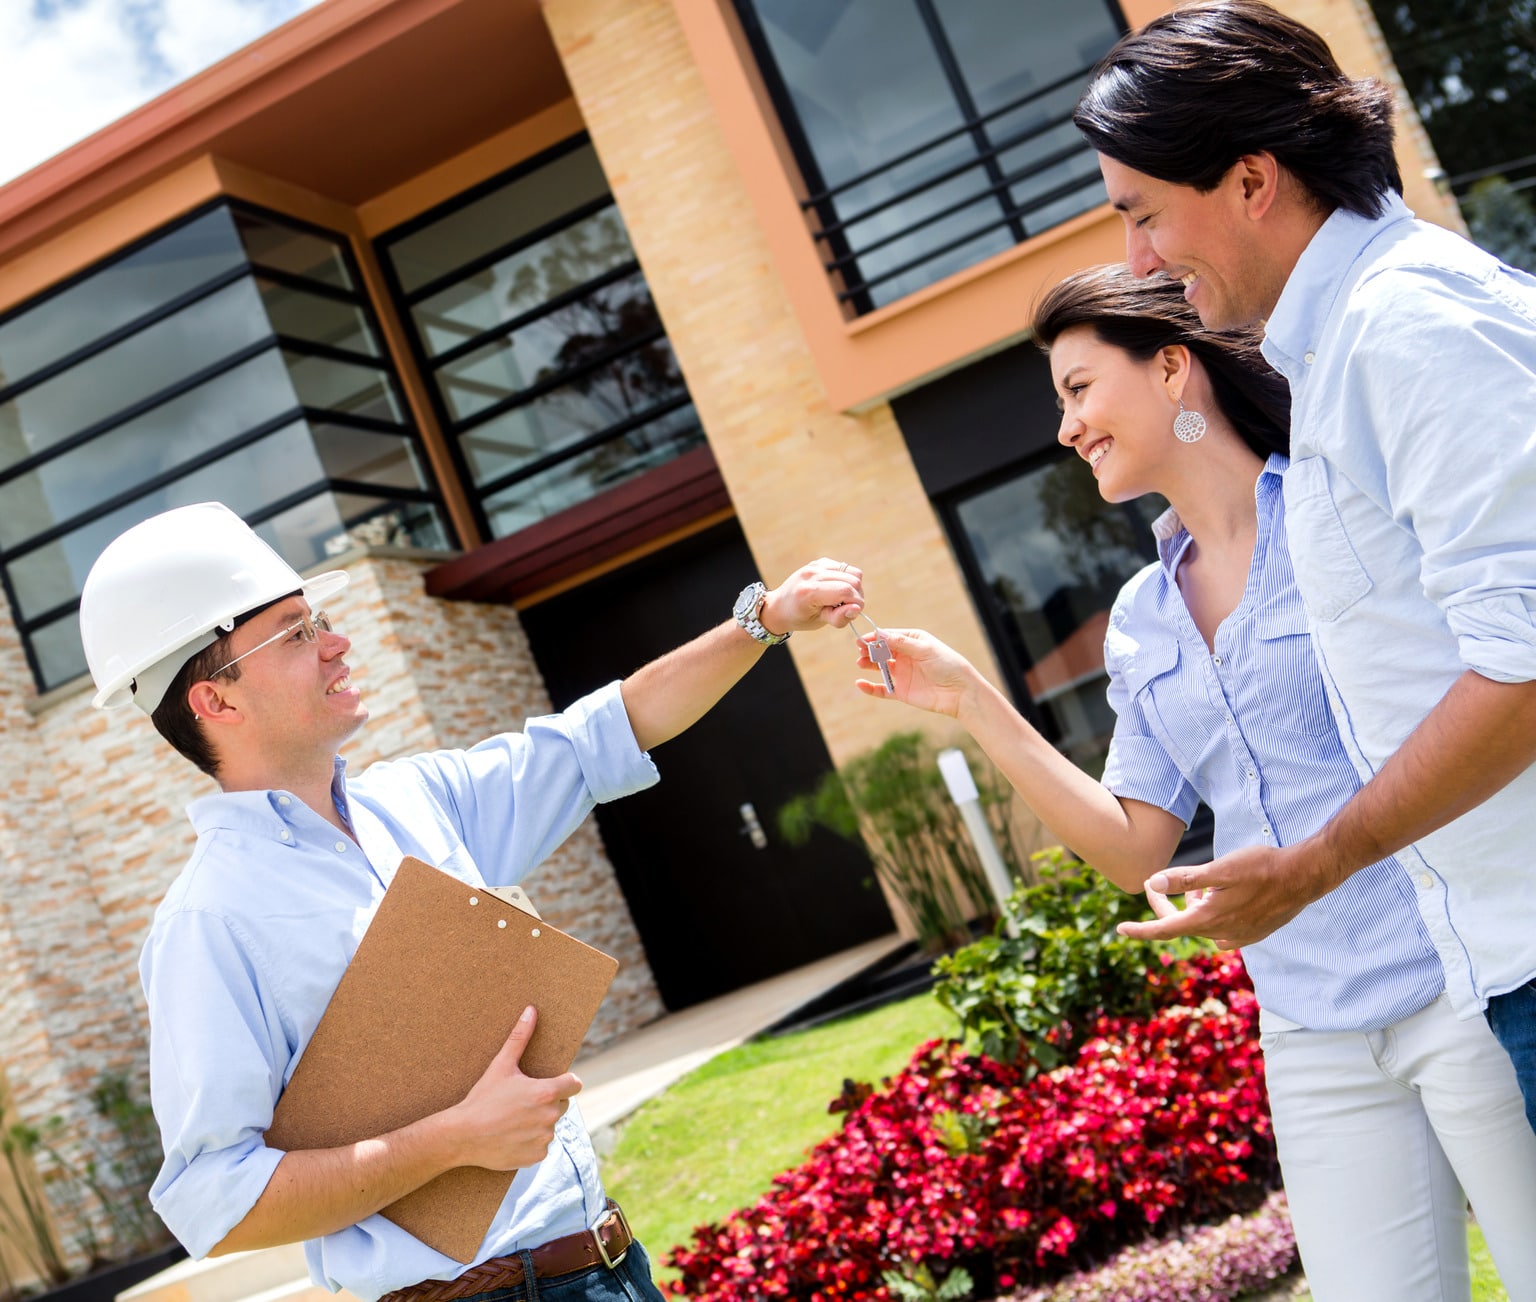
{"points": [[714, 1141]]}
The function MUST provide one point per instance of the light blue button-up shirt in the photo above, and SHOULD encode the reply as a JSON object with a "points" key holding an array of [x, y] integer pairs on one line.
{"points": [[1245, 727], [253, 936], [1411, 356]]}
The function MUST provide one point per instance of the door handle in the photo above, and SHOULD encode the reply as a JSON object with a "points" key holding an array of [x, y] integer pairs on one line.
{"points": [[752, 827]]}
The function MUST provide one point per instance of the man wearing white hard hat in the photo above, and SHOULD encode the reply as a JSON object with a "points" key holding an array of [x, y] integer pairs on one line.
{"points": [[195, 620]]}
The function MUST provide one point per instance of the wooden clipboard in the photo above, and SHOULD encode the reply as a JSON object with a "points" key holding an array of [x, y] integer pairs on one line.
{"points": [[434, 989]]}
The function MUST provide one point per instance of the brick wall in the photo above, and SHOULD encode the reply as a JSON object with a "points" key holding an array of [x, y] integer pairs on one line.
{"points": [[92, 831], [806, 479]]}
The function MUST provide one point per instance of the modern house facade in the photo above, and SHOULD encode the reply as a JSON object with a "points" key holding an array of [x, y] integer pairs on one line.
{"points": [[555, 324]]}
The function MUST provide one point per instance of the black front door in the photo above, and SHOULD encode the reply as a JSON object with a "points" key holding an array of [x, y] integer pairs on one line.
{"points": [[715, 912]]}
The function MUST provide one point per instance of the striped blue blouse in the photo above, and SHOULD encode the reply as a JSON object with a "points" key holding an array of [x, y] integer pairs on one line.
{"points": [[1247, 729]]}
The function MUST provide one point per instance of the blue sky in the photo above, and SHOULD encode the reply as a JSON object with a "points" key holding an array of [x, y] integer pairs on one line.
{"points": [[69, 67]]}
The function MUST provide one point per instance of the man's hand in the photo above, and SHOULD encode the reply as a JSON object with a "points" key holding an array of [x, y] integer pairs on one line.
{"points": [[1240, 898], [507, 1120], [825, 592]]}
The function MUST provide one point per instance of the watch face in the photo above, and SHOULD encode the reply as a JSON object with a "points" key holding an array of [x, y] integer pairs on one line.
{"points": [[746, 602]]}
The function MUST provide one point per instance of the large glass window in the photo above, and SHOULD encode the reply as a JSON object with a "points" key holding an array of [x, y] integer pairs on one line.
{"points": [[931, 134], [1047, 556], [232, 357], [549, 366]]}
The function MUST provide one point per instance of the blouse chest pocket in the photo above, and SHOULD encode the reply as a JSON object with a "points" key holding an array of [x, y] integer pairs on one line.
{"points": [[1328, 572], [1153, 680], [1286, 684]]}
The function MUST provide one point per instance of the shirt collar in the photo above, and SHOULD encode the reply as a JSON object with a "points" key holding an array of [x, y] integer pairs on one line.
{"points": [[258, 813], [1293, 328], [1168, 529]]}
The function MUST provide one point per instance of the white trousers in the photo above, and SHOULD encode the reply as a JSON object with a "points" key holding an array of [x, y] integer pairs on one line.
{"points": [[1384, 1137]]}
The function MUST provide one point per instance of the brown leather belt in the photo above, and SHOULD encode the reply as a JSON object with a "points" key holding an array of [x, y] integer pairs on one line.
{"points": [[603, 1245]]}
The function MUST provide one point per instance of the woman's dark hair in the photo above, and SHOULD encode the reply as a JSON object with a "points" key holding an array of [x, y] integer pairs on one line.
{"points": [[1142, 315], [1195, 89]]}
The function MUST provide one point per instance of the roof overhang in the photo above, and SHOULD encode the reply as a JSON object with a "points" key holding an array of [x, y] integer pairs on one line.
{"points": [[349, 100]]}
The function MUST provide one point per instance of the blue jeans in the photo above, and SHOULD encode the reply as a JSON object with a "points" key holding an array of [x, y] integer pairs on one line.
{"points": [[1513, 1019], [629, 1282]]}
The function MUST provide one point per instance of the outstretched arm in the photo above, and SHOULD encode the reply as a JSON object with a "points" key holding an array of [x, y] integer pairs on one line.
{"points": [[1121, 838], [671, 694], [1479, 737]]}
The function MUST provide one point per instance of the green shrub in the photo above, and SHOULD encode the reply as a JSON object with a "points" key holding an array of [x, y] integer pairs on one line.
{"points": [[1034, 994], [895, 800]]}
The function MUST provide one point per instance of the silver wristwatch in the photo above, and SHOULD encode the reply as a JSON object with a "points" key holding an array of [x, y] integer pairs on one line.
{"points": [[748, 606]]}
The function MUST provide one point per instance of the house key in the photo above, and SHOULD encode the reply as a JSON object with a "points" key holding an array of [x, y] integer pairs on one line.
{"points": [[879, 650]]}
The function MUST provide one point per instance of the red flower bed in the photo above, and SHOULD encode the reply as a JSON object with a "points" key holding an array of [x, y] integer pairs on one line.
{"points": [[960, 1160]]}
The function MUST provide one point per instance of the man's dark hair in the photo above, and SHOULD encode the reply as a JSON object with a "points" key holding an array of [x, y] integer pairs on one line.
{"points": [[1140, 316], [173, 717], [1195, 89]]}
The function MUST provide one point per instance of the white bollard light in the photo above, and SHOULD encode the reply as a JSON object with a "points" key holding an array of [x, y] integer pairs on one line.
{"points": [[962, 790]]}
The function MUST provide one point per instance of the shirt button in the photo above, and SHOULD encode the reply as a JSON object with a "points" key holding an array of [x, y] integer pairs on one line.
{"points": [[1310, 358], [1251, 775], [1426, 881], [1229, 718], [284, 801], [1266, 831], [285, 835], [340, 846], [1216, 660]]}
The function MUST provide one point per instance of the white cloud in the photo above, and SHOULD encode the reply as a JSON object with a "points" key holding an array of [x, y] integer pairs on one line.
{"points": [[69, 67]]}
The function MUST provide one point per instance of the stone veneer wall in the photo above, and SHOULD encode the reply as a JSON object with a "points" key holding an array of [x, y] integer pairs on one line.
{"points": [[92, 831]]}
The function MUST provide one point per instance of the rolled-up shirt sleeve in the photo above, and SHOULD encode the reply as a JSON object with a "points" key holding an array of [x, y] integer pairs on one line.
{"points": [[216, 1049], [1138, 766], [517, 796], [1459, 460]]}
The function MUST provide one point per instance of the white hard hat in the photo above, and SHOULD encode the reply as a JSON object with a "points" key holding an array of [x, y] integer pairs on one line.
{"points": [[169, 587]]}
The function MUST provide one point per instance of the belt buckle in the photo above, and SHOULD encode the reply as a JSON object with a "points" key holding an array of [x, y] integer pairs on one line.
{"points": [[613, 1212]]}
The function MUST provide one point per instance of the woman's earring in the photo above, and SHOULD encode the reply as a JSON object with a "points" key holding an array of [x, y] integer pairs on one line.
{"points": [[1188, 426]]}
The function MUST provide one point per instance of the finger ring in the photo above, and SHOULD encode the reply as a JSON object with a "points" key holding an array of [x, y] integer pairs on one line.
{"points": [[843, 566]]}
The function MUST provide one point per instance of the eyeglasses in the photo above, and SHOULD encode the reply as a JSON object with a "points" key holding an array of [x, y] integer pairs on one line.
{"points": [[308, 629]]}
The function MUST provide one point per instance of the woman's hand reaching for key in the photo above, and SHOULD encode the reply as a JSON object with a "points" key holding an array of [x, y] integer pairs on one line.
{"points": [[925, 672]]}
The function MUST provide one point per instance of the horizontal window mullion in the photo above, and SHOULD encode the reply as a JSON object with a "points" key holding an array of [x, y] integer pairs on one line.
{"points": [[106, 425], [362, 488], [513, 325], [331, 353], [49, 616], [1008, 181], [606, 435], [492, 256], [1009, 214], [979, 159], [929, 255], [357, 421], [955, 133], [536, 391], [307, 285], [184, 300], [153, 484]]}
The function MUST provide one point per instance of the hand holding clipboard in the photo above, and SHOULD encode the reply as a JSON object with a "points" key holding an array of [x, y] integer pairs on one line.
{"points": [[427, 1002]]}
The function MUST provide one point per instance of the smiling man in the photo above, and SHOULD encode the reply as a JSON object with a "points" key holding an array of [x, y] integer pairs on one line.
{"points": [[192, 618], [1247, 165]]}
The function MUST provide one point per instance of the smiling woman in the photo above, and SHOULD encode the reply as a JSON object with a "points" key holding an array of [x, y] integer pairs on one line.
{"points": [[1219, 700]]}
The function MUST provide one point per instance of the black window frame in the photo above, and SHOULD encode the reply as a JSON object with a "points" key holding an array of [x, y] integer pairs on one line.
{"points": [[453, 427], [270, 341], [834, 252]]}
